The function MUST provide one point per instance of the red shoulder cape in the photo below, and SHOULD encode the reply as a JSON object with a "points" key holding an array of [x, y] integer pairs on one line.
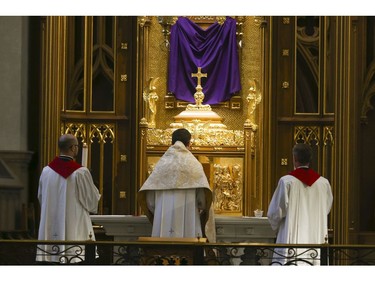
{"points": [[64, 168], [307, 176]]}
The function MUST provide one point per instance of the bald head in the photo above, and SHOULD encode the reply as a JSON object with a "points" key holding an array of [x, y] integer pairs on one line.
{"points": [[68, 145]]}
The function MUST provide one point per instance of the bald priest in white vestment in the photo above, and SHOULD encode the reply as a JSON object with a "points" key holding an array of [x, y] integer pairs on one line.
{"points": [[176, 197], [67, 195], [299, 210]]}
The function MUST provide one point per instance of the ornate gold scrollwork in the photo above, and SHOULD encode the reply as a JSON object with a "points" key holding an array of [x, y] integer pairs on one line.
{"points": [[239, 33], [285, 52], [286, 20], [166, 22], [228, 186], [103, 132], [143, 21], [284, 162], [307, 134], [328, 134], [124, 77], [202, 136], [260, 21], [76, 129], [285, 85]]}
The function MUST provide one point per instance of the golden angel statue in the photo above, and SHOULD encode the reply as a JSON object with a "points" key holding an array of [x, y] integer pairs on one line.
{"points": [[151, 97]]}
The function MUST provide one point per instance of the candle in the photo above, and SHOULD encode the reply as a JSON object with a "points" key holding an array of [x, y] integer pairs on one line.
{"points": [[84, 154]]}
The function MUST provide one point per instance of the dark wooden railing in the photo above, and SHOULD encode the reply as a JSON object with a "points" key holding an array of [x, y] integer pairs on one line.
{"points": [[24, 252]]}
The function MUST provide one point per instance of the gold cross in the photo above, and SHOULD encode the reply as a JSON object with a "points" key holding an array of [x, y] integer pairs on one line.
{"points": [[199, 75]]}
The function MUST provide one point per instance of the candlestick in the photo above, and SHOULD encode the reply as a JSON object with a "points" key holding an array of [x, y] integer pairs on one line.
{"points": [[84, 154]]}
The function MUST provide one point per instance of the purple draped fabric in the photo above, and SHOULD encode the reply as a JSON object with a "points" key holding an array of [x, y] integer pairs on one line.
{"points": [[214, 50]]}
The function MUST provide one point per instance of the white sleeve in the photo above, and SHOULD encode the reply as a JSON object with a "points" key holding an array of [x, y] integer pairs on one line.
{"points": [[329, 198], [88, 193], [278, 205]]}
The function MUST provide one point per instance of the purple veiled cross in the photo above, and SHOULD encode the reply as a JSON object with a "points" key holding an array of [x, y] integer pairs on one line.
{"points": [[214, 50]]}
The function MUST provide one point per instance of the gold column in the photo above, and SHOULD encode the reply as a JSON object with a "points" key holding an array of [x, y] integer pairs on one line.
{"points": [[265, 156], [344, 180], [142, 62], [249, 192], [252, 191], [256, 152], [87, 86], [142, 78], [143, 126], [53, 85]]}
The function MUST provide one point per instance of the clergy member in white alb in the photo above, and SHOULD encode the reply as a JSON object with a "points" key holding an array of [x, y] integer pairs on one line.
{"points": [[176, 197], [67, 195], [299, 208]]}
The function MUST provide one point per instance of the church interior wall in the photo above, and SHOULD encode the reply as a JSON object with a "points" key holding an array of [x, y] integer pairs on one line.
{"points": [[13, 80], [20, 113], [14, 154]]}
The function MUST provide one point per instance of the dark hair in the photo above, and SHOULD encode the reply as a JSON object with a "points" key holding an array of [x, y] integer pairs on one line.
{"points": [[302, 153], [181, 135]]}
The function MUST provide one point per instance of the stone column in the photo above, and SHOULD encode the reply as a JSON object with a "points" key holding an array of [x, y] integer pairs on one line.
{"points": [[14, 157]]}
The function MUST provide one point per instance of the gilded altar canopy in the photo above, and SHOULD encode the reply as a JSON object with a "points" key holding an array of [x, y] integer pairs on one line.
{"points": [[214, 50]]}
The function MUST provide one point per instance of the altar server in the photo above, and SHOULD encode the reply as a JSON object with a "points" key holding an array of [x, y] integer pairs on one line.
{"points": [[299, 209], [67, 195]]}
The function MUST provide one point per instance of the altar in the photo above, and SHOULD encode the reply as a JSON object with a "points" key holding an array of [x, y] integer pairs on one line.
{"points": [[228, 228]]}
